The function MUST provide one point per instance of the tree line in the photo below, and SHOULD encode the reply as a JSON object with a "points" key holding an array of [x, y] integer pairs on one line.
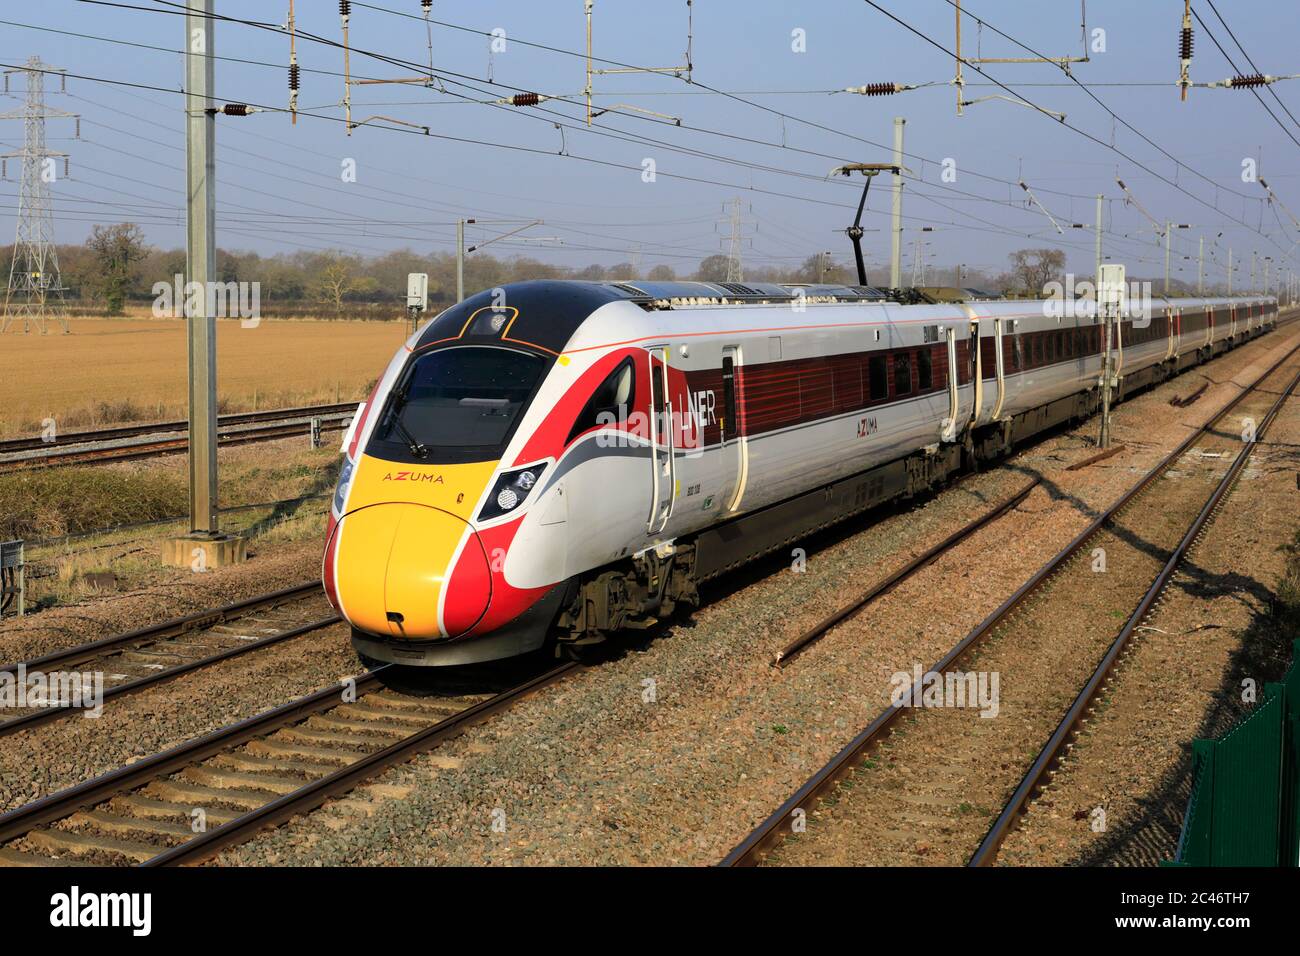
{"points": [[116, 267]]}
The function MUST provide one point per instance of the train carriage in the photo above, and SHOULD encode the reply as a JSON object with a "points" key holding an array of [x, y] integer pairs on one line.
{"points": [[574, 458]]}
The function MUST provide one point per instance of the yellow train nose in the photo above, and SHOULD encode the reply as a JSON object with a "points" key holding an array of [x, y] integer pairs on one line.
{"points": [[411, 571]]}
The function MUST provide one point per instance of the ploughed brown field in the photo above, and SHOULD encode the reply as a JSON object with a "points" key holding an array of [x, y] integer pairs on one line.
{"points": [[124, 370]]}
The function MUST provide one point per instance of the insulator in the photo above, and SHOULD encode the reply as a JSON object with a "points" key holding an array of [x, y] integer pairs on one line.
{"points": [[345, 8], [294, 73], [235, 109], [426, 6], [1254, 79], [525, 99], [1185, 43], [879, 89]]}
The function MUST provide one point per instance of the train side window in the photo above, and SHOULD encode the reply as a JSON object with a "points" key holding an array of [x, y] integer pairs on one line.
{"points": [[877, 378], [902, 373], [727, 424], [924, 373], [612, 397]]}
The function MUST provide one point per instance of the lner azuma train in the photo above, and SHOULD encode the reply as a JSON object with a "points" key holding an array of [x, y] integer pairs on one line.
{"points": [[573, 458]]}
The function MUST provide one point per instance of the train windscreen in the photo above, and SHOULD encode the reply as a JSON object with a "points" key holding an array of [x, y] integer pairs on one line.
{"points": [[457, 404]]}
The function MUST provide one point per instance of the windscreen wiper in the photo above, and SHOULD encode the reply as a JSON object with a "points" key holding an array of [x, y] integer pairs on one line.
{"points": [[418, 448]]}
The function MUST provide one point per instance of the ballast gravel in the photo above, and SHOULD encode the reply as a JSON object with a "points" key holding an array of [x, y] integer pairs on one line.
{"points": [[52, 756]]}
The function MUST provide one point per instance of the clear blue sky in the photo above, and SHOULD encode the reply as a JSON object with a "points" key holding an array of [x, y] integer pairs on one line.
{"points": [[280, 186]]}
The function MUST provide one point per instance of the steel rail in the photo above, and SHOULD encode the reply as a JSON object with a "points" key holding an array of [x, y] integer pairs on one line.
{"points": [[22, 820], [47, 714], [164, 629], [154, 449], [750, 851], [159, 428], [313, 794], [923, 560], [1054, 750]]}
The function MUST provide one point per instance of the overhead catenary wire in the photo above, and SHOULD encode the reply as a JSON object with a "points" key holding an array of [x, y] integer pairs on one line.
{"points": [[1249, 85], [1249, 60], [698, 179], [1084, 133], [181, 7]]}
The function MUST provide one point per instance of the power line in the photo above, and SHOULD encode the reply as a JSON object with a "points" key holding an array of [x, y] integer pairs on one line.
{"points": [[1077, 129], [688, 151], [1226, 56], [1247, 56], [640, 139], [1077, 82]]}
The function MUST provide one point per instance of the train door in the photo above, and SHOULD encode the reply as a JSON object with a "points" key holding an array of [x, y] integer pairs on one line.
{"points": [[1000, 358], [735, 452], [663, 469]]}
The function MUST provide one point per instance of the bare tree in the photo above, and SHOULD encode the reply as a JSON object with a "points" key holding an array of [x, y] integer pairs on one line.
{"points": [[335, 282], [1032, 269]]}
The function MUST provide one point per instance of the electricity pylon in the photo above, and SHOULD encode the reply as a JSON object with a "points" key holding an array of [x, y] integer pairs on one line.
{"points": [[35, 290]]}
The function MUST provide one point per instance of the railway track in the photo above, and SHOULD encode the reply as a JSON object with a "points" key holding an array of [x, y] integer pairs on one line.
{"points": [[81, 448], [883, 587], [157, 428], [188, 803], [934, 772], [142, 658]]}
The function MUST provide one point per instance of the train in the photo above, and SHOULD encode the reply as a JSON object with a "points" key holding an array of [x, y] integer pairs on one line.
{"points": [[552, 462]]}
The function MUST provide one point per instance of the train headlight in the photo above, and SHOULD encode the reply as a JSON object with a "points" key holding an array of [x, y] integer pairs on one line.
{"points": [[511, 490], [345, 482]]}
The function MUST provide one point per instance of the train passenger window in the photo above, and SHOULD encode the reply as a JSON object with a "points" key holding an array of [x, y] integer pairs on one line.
{"points": [[877, 379], [610, 402], [924, 374], [902, 373]]}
